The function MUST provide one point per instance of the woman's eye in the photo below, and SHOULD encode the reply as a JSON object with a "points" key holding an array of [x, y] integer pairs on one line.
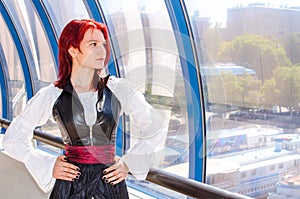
{"points": [[93, 44]]}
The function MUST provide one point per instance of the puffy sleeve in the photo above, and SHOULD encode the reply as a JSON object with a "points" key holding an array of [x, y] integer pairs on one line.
{"points": [[17, 140], [149, 128]]}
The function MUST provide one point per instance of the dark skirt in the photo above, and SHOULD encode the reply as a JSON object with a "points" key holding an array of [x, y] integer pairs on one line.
{"points": [[89, 185]]}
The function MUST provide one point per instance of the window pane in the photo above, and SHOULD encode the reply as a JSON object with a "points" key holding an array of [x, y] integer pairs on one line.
{"points": [[61, 12], [40, 60], [250, 71], [147, 54], [34, 41], [13, 68]]}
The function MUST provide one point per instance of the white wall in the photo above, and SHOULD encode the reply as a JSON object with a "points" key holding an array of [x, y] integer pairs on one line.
{"points": [[15, 180]]}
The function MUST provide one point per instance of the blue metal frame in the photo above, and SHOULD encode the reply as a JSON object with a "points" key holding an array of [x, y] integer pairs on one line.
{"points": [[20, 50], [93, 10], [48, 28], [96, 12], [22, 36], [4, 89], [184, 39]]}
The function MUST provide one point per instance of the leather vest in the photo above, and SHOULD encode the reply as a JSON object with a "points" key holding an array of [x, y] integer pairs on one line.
{"points": [[68, 112]]}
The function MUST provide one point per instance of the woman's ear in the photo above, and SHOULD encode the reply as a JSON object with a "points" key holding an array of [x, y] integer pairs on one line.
{"points": [[73, 51]]}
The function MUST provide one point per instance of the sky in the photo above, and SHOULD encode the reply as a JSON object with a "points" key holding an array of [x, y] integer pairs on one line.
{"points": [[216, 9]]}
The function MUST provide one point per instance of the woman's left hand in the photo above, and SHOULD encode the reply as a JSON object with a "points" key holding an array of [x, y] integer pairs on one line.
{"points": [[116, 173]]}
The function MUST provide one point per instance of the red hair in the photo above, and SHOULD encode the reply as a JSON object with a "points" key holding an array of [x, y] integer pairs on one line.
{"points": [[72, 35]]}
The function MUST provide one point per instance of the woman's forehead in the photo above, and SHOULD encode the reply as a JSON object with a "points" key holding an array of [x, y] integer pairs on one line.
{"points": [[93, 34]]}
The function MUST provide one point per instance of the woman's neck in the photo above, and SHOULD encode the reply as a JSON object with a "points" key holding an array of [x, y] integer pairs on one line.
{"points": [[81, 79]]}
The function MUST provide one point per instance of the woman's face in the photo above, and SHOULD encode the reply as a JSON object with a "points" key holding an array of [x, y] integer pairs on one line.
{"points": [[93, 51]]}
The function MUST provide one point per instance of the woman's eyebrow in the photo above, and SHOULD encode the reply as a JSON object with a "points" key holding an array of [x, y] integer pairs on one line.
{"points": [[93, 40], [96, 40]]}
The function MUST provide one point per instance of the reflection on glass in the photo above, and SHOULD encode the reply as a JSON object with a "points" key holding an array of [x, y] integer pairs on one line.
{"points": [[147, 54], [61, 12], [16, 84], [250, 70], [35, 43]]}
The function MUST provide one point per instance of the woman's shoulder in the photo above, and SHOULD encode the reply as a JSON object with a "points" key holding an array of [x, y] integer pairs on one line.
{"points": [[127, 93], [113, 79], [117, 83], [50, 88], [50, 91]]}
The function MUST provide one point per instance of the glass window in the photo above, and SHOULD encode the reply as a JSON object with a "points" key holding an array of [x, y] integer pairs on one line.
{"points": [[38, 54], [147, 55], [249, 59], [15, 80], [40, 60], [61, 12]]}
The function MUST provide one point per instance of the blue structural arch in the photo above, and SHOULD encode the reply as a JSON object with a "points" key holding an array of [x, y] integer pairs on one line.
{"points": [[21, 33], [48, 29], [4, 87], [20, 50], [191, 74]]}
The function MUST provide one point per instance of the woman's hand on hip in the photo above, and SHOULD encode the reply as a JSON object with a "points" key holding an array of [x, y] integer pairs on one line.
{"points": [[65, 171], [116, 173]]}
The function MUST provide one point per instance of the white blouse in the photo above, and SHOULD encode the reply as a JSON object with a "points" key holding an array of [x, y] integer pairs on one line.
{"points": [[150, 124], [88, 101]]}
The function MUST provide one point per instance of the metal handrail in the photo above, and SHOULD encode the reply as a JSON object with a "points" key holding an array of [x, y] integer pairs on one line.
{"points": [[40, 135], [176, 183]]}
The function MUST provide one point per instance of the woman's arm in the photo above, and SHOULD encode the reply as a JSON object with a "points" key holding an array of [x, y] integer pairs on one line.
{"points": [[18, 137], [150, 128]]}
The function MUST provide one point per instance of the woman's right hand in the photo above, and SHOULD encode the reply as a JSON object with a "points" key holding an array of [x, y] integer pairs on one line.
{"points": [[65, 171]]}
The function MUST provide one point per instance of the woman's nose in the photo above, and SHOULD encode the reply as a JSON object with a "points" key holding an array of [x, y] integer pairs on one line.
{"points": [[101, 49]]}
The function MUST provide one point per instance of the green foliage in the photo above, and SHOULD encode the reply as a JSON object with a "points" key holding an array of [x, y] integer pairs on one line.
{"points": [[288, 84], [234, 90], [282, 89], [292, 46], [255, 52]]}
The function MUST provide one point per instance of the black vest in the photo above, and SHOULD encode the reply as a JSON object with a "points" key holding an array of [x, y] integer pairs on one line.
{"points": [[68, 112]]}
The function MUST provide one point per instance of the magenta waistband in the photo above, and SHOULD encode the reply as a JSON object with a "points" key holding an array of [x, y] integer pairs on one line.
{"points": [[103, 154]]}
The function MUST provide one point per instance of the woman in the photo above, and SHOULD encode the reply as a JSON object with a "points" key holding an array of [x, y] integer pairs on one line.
{"points": [[86, 107]]}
